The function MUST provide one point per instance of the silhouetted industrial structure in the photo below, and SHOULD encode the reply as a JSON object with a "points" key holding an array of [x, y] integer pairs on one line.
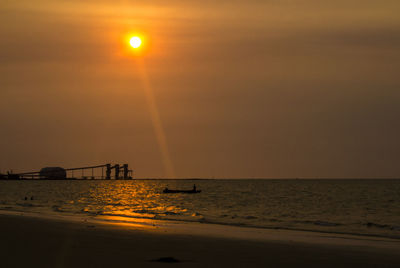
{"points": [[58, 173]]}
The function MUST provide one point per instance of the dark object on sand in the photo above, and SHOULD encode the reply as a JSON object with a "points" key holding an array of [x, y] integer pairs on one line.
{"points": [[166, 259]]}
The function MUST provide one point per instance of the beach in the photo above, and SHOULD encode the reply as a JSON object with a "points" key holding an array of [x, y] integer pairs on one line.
{"points": [[199, 134], [28, 240]]}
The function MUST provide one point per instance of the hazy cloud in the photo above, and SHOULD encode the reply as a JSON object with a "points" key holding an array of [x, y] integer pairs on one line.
{"points": [[259, 88]]}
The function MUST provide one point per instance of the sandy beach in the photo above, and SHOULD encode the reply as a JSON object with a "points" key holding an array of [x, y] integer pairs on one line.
{"points": [[31, 241]]}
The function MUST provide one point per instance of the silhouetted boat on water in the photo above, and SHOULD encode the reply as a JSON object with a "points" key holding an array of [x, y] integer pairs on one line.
{"points": [[168, 191], [193, 191]]}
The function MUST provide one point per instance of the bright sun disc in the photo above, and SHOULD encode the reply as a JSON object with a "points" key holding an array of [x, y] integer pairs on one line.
{"points": [[135, 42]]}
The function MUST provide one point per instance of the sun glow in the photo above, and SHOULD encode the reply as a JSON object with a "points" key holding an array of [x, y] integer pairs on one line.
{"points": [[135, 42]]}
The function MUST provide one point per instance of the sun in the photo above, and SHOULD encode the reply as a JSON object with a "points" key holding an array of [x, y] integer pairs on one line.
{"points": [[135, 42]]}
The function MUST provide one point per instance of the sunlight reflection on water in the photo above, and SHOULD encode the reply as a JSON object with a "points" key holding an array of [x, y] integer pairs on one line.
{"points": [[353, 206]]}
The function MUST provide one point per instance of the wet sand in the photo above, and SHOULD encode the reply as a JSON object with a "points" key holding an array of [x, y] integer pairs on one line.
{"points": [[28, 241]]}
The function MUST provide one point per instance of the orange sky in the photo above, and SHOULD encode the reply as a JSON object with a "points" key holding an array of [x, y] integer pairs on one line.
{"points": [[241, 88]]}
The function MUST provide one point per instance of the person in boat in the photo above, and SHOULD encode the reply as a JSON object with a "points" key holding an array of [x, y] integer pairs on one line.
{"points": [[166, 189], [194, 187]]}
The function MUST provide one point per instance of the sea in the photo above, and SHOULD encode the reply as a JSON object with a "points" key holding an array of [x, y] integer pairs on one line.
{"points": [[347, 206]]}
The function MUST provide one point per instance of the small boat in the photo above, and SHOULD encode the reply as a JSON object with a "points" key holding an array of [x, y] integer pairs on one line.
{"points": [[168, 191]]}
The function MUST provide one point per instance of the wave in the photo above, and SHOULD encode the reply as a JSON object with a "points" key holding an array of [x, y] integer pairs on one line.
{"points": [[201, 219], [382, 226], [319, 223]]}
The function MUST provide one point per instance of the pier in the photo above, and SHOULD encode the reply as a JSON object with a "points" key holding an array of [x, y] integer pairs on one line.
{"points": [[99, 172]]}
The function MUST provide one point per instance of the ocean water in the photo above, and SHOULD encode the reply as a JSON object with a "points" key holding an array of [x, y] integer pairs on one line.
{"points": [[368, 207]]}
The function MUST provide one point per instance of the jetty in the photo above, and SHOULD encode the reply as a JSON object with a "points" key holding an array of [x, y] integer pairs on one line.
{"points": [[98, 172]]}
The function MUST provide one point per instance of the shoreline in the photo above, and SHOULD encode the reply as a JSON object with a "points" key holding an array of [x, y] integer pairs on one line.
{"points": [[88, 242], [110, 218]]}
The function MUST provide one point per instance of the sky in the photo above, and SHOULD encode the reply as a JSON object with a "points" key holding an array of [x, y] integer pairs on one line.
{"points": [[219, 89]]}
